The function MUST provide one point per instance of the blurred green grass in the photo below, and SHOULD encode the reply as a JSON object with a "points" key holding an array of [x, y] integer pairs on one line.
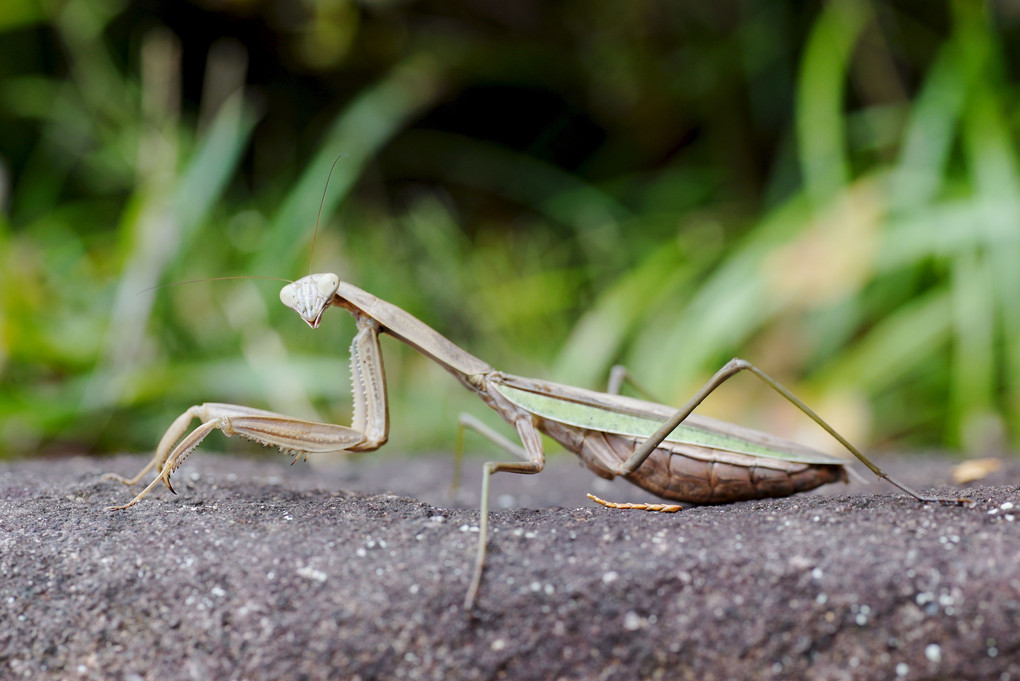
{"points": [[871, 266]]}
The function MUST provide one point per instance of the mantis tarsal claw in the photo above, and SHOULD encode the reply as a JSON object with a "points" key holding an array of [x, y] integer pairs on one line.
{"points": [[670, 452]]}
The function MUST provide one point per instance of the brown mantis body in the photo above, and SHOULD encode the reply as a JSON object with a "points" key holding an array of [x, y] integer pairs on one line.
{"points": [[670, 452]]}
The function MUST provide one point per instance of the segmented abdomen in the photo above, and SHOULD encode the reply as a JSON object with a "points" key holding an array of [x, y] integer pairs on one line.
{"points": [[694, 474]]}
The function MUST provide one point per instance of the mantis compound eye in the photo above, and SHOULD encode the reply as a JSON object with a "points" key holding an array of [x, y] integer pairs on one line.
{"points": [[327, 284], [288, 296]]}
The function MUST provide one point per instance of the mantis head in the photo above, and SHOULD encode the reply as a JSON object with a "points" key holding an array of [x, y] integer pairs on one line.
{"points": [[310, 296]]}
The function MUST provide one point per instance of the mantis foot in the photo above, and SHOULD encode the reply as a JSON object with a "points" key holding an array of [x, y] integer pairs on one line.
{"points": [[659, 508]]}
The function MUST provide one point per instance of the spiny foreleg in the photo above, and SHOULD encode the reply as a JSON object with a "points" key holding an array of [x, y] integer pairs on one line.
{"points": [[265, 427], [368, 431]]}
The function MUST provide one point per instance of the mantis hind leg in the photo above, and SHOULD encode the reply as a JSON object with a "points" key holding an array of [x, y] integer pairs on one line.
{"points": [[733, 367], [533, 462], [619, 375]]}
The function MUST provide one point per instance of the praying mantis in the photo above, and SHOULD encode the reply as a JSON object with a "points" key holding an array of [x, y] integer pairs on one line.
{"points": [[670, 452]]}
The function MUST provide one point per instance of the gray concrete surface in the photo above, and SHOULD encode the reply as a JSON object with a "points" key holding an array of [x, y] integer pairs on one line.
{"points": [[257, 570]]}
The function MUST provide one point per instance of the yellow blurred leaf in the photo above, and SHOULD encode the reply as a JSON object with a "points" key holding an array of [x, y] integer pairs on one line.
{"points": [[975, 469], [833, 256]]}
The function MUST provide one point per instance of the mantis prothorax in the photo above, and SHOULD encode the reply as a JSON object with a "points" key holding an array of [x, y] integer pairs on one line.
{"points": [[670, 452]]}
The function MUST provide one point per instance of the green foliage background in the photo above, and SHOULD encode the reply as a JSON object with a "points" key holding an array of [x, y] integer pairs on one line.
{"points": [[830, 190]]}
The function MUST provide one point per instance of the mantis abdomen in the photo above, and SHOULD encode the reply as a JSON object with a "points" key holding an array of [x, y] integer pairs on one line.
{"points": [[692, 474]]}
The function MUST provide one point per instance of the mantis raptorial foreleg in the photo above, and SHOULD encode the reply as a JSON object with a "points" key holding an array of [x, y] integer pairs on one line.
{"points": [[368, 431]]}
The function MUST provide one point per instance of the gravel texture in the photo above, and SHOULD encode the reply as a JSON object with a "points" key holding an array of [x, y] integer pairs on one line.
{"points": [[260, 571]]}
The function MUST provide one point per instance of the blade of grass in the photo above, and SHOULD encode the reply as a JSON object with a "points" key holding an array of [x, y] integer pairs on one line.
{"points": [[151, 248], [821, 132], [893, 347], [357, 134]]}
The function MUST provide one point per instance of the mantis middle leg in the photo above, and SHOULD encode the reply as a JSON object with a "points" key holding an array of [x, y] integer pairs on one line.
{"points": [[533, 462]]}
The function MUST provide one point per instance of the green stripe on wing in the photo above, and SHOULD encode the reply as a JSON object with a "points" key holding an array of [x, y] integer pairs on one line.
{"points": [[599, 418]]}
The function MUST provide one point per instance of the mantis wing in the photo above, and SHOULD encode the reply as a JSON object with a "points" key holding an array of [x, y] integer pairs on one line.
{"points": [[623, 415]]}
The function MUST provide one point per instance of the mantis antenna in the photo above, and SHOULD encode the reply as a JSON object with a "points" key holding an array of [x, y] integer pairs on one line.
{"points": [[322, 202], [199, 281]]}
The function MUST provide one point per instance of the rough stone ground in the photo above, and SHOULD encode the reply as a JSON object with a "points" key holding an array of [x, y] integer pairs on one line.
{"points": [[260, 571]]}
